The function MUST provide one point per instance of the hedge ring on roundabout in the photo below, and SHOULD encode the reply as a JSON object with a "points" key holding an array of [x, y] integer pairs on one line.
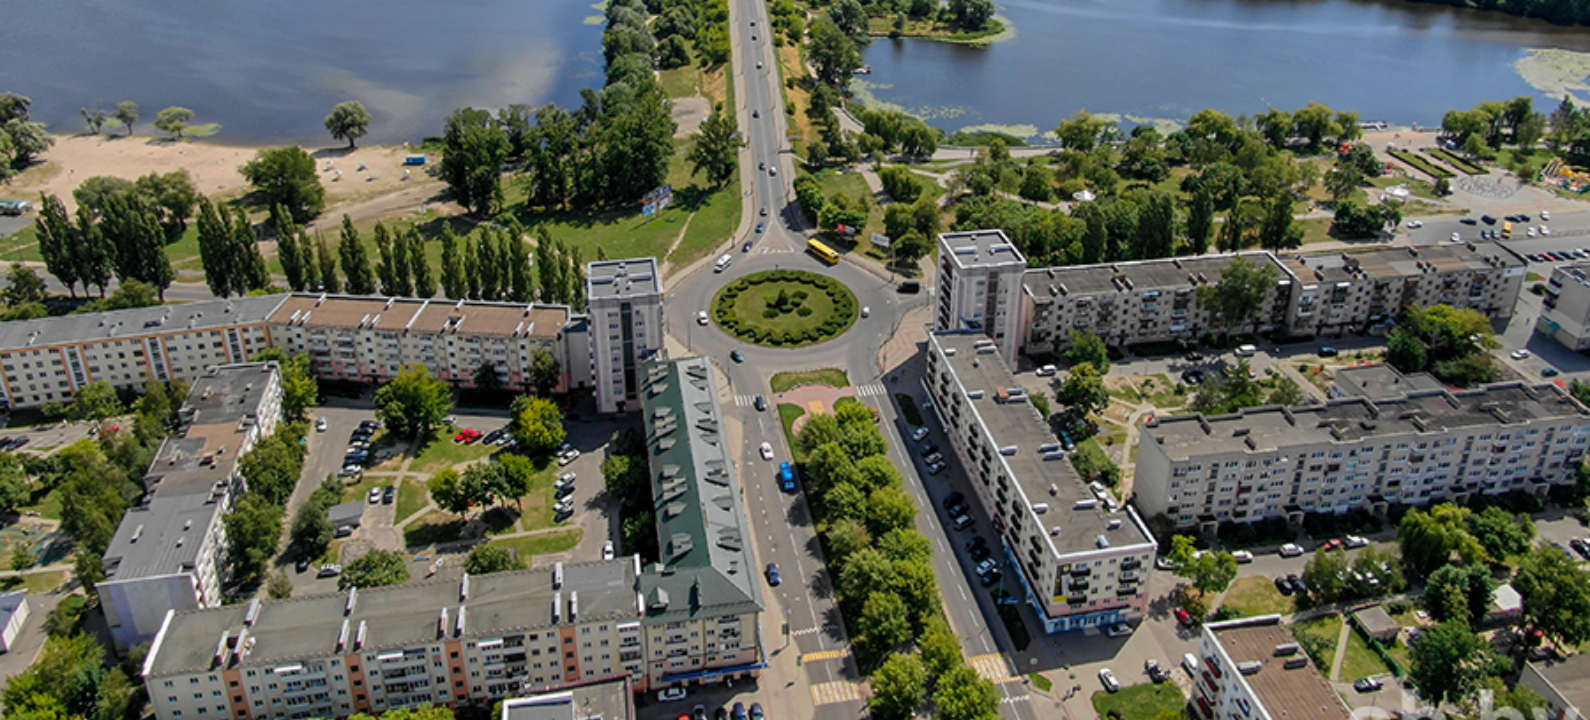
{"points": [[784, 308]]}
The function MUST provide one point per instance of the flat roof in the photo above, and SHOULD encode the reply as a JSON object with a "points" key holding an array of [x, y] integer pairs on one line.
{"points": [[191, 475], [138, 322], [397, 617], [702, 533], [980, 248], [608, 698], [1381, 381], [1302, 693], [1271, 428], [1570, 677], [1053, 483], [1376, 620], [622, 278], [1401, 261], [1140, 276], [466, 317]]}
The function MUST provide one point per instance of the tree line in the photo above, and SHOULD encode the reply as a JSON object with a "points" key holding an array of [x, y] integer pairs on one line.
{"points": [[120, 231], [1562, 12]]}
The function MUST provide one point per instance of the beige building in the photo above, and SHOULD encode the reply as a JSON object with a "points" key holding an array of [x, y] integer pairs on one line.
{"points": [[625, 303], [980, 287], [1565, 684], [1254, 669], [1423, 447], [1565, 309], [1079, 558]]}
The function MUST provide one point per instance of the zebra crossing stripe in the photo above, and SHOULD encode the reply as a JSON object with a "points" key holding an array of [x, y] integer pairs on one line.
{"points": [[835, 692], [992, 667], [825, 655]]}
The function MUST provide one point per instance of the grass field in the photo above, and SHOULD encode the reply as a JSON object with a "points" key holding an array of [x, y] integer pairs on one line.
{"points": [[1139, 702], [411, 497], [833, 377], [529, 546], [1328, 629], [442, 453], [34, 583], [361, 490], [47, 505], [809, 306], [788, 413], [1252, 596], [433, 527], [1361, 661]]}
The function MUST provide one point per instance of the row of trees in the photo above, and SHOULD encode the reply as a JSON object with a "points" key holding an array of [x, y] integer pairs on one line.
{"points": [[272, 466], [229, 251], [1451, 343], [123, 240]]}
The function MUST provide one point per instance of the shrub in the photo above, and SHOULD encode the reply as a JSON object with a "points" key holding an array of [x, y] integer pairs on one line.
{"points": [[800, 295], [803, 311], [770, 312]]}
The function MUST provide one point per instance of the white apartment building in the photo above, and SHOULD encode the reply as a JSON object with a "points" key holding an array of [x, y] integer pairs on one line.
{"points": [[980, 287], [1565, 309], [1080, 559], [1254, 669], [624, 299], [47, 360], [1565, 685], [1423, 447], [170, 549], [1136, 302]]}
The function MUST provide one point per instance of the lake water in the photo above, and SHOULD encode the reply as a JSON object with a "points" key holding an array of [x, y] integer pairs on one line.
{"points": [[1399, 62], [271, 71]]}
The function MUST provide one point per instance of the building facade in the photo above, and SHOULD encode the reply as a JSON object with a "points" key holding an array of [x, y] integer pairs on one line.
{"points": [[1254, 669], [13, 613], [1565, 308], [1564, 684], [1424, 447], [169, 551], [980, 287], [610, 698], [1366, 291], [625, 307], [1081, 560]]}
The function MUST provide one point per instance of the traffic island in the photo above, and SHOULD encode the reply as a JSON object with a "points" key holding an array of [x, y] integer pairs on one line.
{"points": [[785, 308]]}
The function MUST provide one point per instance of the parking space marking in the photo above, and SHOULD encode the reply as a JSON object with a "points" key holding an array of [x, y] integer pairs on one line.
{"points": [[835, 692], [992, 667]]}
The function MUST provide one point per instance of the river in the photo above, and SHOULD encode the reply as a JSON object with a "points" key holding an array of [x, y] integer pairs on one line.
{"points": [[271, 71], [1147, 60]]}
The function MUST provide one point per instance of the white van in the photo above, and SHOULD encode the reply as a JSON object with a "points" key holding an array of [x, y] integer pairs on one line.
{"points": [[1190, 662], [723, 263], [1243, 350]]}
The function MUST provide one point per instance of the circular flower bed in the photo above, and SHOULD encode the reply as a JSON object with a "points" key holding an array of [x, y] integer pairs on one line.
{"points": [[784, 308]]}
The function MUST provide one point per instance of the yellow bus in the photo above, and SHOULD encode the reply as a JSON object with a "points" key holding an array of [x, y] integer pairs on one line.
{"points": [[1507, 229], [823, 252]]}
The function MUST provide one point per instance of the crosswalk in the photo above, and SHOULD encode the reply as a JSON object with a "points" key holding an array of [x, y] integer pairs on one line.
{"points": [[807, 631], [837, 691], [825, 655], [744, 400], [773, 251], [992, 667], [1013, 699], [871, 390]]}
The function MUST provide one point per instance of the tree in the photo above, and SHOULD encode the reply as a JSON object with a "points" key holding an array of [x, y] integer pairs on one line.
{"points": [[538, 424], [972, 15], [941, 650], [140, 246], [1556, 595], [26, 140], [414, 403], [127, 115], [384, 270], [348, 121], [1459, 593], [174, 120], [355, 260], [312, 531], [474, 148], [1449, 661], [899, 687], [1083, 391], [58, 242], [23, 285], [288, 251], [95, 401], [963, 695], [1200, 220], [286, 176], [717, 148], [420, 266], [448, 491], [1342, 180], [1430, 539], [327, 261], [545, 374], [272, 467], [487, 559], [1501, 533], [379, 568], [832, 53], [1087, 347], [252, 530], [1239, 296], [278, 586], [453, 284], [885, 624], [1276, 231], [15, 490], [95, 117]]}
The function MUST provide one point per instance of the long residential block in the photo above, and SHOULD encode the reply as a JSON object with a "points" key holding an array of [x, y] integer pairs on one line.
{"points": [[1565, 308], [1081, 559], [169, 552], [1422, 447], [1255, 668]]}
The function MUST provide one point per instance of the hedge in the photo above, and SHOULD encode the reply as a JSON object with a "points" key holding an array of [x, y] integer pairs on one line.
{"points": [[1422, 165]]}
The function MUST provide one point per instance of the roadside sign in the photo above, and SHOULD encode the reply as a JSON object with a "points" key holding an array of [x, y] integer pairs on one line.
{"points": [[881, 240]]}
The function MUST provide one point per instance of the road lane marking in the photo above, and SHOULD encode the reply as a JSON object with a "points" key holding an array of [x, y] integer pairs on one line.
{"points": [[992, 667], [825, 655], [1013, 699], [837, 691]]}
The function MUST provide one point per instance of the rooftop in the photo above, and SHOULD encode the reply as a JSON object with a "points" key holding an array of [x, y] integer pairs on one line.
{"points": [[702, 532], [139, 322], [981, 248], [1381, 381], [1300, 692], [1375, 620], [608, 698], [191, 476], [1050, 488], [1270, 428], [427, 316], [1570, 677], [1162, 275], [402, 616], [1401, 261], [622, 278]]}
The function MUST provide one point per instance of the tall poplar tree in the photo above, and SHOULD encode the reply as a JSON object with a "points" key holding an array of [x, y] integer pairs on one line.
{"points": [[424, 284], [402, 281], [328, 267], [58, 238], [385, 270], [355, 261], [287, 250], [454, 286]]}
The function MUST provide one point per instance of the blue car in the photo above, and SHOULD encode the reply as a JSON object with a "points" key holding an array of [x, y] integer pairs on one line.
{"points": [[772, 574], [786, 477]]}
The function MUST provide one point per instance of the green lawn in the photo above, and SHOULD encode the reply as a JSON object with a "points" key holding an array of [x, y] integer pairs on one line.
{"points": [[432, 528], [47, 505], [1139, 702], [1327, 628], [833, 377], [361, 490], [442, 453], [528, 546], [411, 497], [788, 413], [1315, 230], [35, 583], [1361, 661], [535, 508], [787, 308], [1252, 596]]}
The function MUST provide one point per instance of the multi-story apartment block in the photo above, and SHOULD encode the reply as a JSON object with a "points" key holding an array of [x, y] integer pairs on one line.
{"points": [[692, 618], [363, 339], [169, 550], [1565, 309], [1380, 381], [1138, 302], [47, 360], [1366, 291], [625, 305], [980, 287], [1254, 669], [1081, 559], [1564, 684], [1355, 453]]}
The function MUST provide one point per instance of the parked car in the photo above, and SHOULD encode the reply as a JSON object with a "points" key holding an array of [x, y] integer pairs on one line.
{"points": [[992, 577], [1368, 684], [959, 509], [976, 542], [565, 480], [1243, 556], [1184, 617], [1550, 372], [329, 570], [321, 425], [389, 495], [1047, 370], [671, 694], [14, 207], [1105, 676], [980, 553], [1355, 541], [1291, 550], [1519, 355], [739, 711], [607, 550], [1328, 351], [918, 434], [1333, 544], [468, 436], [1580, 546], [953, 499], [564, 458], [1121, 630], [1297, 583], [935, 468], [963, 522], [349, 471], [928, 448], [934, 459], [985, 567], [1163, 563], [1284, 586], [756, 707], [1155, 672]]}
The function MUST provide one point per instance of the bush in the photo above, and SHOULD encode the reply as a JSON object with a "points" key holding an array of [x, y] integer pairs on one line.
{"points": [[803, 311]]}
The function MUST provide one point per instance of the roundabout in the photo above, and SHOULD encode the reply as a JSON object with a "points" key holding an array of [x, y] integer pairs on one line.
{"points": [[784, 308]]}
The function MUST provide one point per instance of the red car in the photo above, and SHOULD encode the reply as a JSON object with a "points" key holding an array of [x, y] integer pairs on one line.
{"points": [[1334, 544], [467, 436], [1184, 617]]}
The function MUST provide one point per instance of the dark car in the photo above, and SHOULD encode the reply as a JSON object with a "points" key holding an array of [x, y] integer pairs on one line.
{"points": [[910, 286], [1488, 220], [977, 541], [929, 447], [1284, 585], [736, 356], [953, 499], [772, 575], [760, 403], [302, 565], [1469, 221], [1192, 377], [980, 553], [991, 577], [389, 495], [760, 227], [1328, 351], [746, 247], [756, 711], [1523, 217], [1298, 584], [739, 711]]}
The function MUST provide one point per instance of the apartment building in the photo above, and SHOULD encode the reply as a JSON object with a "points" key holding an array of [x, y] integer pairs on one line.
{"points": [[1565, 308], [47, 360], [169, 551], [980, 287], [371, 339], [1081, 560], [624, 301], [1422, 447], [1565, 685], [1254, 669], [610, 698], [1380, 381], [1136, 302], [1365, 291]]}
